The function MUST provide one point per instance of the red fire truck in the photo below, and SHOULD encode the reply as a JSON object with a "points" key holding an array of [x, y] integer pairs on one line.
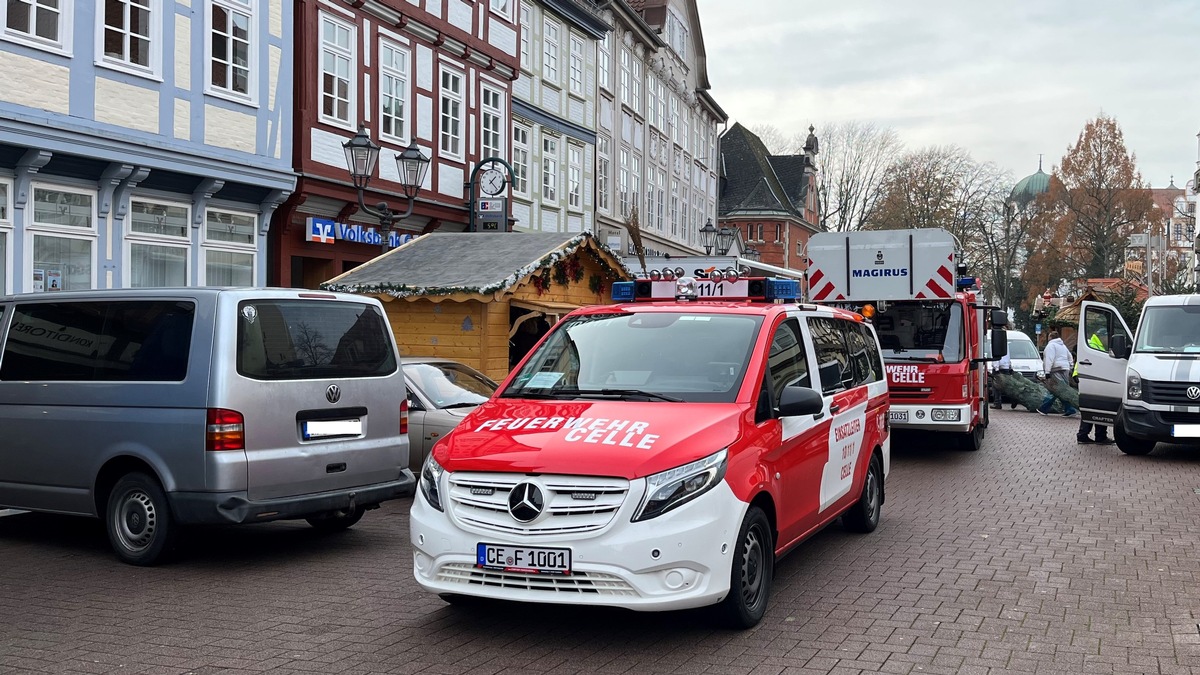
{"points": [[929, 318]]}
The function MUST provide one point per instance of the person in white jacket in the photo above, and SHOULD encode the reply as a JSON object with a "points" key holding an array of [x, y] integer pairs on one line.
{"points": [[1057, 362]]}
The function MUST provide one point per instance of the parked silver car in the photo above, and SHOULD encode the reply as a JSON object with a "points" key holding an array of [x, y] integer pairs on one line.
{"points": [[157, 408], [440, 393]]}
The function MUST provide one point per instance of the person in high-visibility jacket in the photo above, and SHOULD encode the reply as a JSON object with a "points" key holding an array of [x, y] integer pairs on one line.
{"points": [[1098, 341]]}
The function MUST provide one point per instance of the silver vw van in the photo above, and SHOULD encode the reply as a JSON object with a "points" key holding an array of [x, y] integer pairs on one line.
{"points": [[159, 408]]}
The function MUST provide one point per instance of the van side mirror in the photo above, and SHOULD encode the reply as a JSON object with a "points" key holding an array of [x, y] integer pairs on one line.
{"points": [[999, 318], [1120, 346], [795, 400], [999, 343]]}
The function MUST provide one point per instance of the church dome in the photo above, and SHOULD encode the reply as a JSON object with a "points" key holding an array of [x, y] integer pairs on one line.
{"points": [[1029, 187]]}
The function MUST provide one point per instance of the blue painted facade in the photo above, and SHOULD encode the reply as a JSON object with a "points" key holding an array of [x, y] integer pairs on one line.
{"points": [[146, 173]]}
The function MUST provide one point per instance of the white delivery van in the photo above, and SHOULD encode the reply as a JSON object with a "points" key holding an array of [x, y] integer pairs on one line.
{"points": [[1023, 353], [1147, 388]]}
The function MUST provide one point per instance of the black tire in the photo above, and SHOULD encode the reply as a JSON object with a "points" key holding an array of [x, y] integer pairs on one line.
{"points": [[336, 521], [1130, 445], [864, 515], [138, 520], [972, 441], [751, 573]]}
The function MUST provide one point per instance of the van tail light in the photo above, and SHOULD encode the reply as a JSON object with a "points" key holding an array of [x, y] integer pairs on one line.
{"points": [[226, 430], [404, 416]]}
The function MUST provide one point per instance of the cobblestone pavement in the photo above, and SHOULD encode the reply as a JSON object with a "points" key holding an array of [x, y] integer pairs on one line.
{"points": [[1034, 555]]}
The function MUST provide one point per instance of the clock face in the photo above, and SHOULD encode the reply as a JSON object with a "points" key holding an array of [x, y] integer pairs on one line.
{"points": [[492, 181]]}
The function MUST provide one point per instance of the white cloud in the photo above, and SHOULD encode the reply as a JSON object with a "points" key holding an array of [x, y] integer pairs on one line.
{"points": [[1006, 81]]}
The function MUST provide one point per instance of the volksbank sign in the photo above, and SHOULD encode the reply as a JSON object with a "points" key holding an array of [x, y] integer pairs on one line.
{"points": [[880, 272], [325, 231]]}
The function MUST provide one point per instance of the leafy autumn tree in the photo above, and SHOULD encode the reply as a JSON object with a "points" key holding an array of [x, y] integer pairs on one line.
{"points": [[1098, 199], [853, 162]]}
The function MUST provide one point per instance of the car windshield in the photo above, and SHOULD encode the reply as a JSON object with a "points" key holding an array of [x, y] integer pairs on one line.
{"points": [[1020, 349], [651, 356], [1170, 330], [921, 331], [450, 385]]}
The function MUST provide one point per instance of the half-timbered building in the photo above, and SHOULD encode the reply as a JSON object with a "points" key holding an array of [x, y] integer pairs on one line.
{"points": [[437, 72]]}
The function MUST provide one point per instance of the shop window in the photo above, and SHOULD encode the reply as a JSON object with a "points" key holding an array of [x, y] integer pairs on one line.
{"points": [[158, 244], [62, 238], [229, 252]]}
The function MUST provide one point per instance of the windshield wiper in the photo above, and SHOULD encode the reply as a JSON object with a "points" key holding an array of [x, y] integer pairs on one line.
{"points": [[926, 359], [460, 405], [620, 393]]}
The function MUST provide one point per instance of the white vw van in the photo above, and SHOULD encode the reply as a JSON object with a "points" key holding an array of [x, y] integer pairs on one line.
{"points": [[1147, 388]]}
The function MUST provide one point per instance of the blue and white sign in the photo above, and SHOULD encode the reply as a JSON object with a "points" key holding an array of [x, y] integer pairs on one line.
{"points": [[325, 231], [491, 205]]}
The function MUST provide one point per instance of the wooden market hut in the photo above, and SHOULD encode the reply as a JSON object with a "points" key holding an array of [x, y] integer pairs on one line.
{"points": [[468, 296]]}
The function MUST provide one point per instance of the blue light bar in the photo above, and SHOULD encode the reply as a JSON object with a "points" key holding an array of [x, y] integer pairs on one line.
{"points": [[967, 282], [623, 291], [783, 289]]}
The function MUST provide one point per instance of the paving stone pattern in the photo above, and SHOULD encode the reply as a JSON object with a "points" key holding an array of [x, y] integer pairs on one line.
{"points": [[1034, 555]]}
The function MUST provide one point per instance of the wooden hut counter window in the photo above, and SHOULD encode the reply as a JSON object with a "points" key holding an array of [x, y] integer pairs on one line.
{"points": [[484, 298]]}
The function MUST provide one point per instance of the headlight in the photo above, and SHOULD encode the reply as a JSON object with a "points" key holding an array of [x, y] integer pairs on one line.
{"points": [[678, 486], [1041, 374], [431, 480], [945, 415], [1134, 384]]}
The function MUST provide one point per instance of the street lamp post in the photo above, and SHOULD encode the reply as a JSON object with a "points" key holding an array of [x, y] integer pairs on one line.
{"points": [[724, 240], [708, 236], [362, 154]]}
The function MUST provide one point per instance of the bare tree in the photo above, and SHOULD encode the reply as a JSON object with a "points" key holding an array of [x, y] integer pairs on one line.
{"points": [[777, 141], [852, 164]]}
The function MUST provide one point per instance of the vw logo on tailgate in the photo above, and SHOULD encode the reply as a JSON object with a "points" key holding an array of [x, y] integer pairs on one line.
{"points": [[525, 502], [1193, 392], [333, 394]]}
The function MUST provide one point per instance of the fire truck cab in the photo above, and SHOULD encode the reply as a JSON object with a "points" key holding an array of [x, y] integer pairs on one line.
{"points": [[660, 453], [929, 318]]}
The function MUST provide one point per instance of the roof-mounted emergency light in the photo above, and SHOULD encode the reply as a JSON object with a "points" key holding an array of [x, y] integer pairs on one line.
{"points": [[754, 289], [967, 283]]}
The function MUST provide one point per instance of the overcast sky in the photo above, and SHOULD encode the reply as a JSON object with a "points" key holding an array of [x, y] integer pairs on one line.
{"points": [[1005, 80]]}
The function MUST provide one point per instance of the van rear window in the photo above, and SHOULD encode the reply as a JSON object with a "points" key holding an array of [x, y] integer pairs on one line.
{"points": [[312, 339]]}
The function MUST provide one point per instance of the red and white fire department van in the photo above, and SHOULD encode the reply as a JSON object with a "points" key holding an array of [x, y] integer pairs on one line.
{"points": [[660, 453], [929, 318]]}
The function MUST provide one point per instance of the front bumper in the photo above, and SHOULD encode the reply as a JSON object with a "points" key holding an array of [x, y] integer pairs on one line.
{"points": [[921, 418], [679, 560], [216, 508], [1158, 425]]}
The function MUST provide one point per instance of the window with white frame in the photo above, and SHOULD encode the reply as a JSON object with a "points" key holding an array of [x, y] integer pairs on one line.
{"points": [[674, 207], [549, 169], [623, 182], [393, 91], [574, 176], [576, 65], [231, 52], [503, 8], [158, 243], [626, 59], [230, 250], [452, 111], [128, 32], [337, 70], [5, 233], [635, 85], [676, 35], [550, 51], [491, 118], [520, 159], [42, 22], [603, 169], [685, 117], [635, 180], [602, 62], [761, 232], [652, 102], [662, 199], [63, 234], [526, 27], [647, 218], [675, 119]]}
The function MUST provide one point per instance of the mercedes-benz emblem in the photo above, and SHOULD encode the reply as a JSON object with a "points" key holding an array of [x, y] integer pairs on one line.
{"points": [[333, 394], [525, 502], [1193, 392]]}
